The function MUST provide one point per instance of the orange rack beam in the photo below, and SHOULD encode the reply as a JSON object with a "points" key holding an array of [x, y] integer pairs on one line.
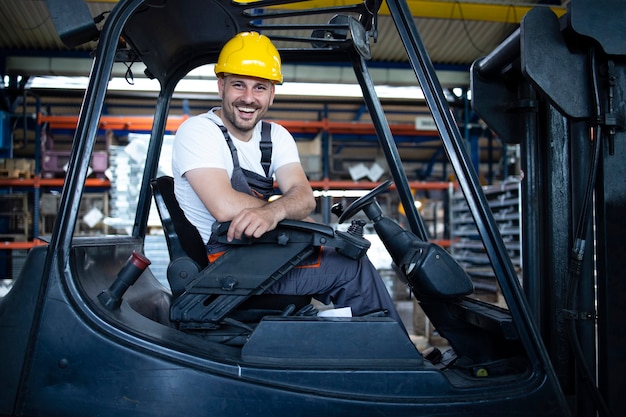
{"points": [[367, 185], [21, 245], [144, 123], [37, 182]]}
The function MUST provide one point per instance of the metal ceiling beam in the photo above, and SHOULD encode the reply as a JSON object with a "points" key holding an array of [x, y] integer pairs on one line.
{"points": [[438, 9], [73, 67], [502, 13], [433, 9]]}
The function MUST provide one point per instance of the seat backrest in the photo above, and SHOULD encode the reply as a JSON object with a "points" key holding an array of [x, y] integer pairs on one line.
{"points": [[183, 239]]}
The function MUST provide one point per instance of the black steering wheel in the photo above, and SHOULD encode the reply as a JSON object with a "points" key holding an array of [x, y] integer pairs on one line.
{"points": [[364, 201]]}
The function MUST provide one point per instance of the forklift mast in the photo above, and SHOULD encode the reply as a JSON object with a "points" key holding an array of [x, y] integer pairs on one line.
{"points": [[557, 88]]}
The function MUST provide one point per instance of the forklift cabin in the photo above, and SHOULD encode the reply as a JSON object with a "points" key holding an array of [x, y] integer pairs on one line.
{"points": [[87, 328]]}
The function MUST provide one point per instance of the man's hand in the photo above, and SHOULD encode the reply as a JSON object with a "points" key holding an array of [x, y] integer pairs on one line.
{"points": [[253, 222]]}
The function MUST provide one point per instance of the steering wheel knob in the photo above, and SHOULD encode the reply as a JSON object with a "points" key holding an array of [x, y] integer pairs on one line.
{"points": [[337, 209]]}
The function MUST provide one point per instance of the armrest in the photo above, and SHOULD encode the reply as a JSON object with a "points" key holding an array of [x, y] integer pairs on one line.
{"points": [[292, 231], [220, 229]]}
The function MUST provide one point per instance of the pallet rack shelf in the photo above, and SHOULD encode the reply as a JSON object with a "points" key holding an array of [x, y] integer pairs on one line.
{"points": [[36, 183], [144, 123], [466, 246]]}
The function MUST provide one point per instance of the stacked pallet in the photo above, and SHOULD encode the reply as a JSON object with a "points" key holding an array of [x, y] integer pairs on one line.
{"points": [[15, 217], [17, 168]]}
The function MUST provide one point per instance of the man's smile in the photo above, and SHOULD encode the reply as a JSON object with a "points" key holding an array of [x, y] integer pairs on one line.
{"points": [[246, 113], [246, 109]]}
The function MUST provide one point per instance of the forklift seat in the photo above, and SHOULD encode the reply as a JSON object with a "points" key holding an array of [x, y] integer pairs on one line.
{"points": [[184, 242], [188, 255]]}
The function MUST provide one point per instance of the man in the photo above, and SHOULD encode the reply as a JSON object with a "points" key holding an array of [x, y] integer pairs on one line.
{"points": [[223, 171]]}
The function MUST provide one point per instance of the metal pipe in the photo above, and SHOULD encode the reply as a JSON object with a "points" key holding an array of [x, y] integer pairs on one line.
{"points": [[152, 157], [531, 205], [388, 146], [501, 58]]}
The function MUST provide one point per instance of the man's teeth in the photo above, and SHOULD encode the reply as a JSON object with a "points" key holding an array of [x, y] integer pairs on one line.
{"points": [[246, 109]]}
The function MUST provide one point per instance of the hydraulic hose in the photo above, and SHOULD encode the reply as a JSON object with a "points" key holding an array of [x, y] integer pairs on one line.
{"points": [[578, 251]]}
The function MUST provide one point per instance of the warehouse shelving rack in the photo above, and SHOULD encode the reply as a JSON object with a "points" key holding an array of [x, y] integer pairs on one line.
{"points": [[144, 123]]}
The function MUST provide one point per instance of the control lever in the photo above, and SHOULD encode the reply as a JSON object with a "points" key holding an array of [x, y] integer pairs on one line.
{"points": [[111, 298], [358, 245]]}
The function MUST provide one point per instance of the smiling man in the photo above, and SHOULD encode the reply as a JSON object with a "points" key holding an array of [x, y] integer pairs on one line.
{"points": [[225, 162]]}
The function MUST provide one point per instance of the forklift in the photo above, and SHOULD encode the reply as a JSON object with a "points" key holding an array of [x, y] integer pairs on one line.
{"points": [[87, 329]]}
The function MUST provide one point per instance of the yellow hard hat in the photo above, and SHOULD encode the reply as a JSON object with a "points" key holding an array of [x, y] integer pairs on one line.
{"points": [[250, 54]]}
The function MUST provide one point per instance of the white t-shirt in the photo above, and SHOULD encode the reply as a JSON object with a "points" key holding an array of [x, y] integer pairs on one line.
{"points": [[199, 143]]}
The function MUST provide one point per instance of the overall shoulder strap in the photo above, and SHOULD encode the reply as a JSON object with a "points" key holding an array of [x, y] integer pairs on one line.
{"points": [[266, 146], [231, 145], [249, 182]]}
